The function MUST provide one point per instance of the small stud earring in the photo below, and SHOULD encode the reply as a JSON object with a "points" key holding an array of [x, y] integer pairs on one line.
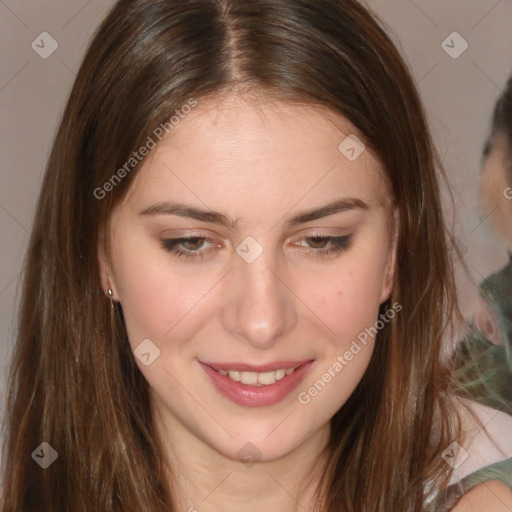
{"points": [[111, 295]]}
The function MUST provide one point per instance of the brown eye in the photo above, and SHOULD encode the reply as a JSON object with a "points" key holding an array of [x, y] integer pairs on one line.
{"points": [[319, 242], [319, 246], [192, 244], [189, 247]]}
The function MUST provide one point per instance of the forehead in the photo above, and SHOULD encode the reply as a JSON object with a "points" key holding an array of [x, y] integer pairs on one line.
{"points": [[261, 124], [282, 151]]}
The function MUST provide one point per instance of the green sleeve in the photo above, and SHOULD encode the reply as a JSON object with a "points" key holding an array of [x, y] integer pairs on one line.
{"points": [[501, 471], [483, 370], [498, 471]]}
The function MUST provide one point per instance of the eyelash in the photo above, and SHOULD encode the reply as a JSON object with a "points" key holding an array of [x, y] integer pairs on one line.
{"points": [[339, 244]]}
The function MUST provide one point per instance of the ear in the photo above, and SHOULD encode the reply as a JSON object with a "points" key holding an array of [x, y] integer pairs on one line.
{"points": [[106, 277], [389, 272]]}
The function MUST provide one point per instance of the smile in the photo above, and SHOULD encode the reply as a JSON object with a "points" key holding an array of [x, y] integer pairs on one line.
{"points": [[256, 386], [257, 379]]}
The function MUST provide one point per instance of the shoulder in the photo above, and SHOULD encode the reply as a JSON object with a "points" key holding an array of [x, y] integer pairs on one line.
{"points": [[486, 439], [481, 476], [497, 423], [492, 495]]}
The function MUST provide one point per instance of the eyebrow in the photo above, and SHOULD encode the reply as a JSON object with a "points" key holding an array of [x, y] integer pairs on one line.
{"points": [[184, 210]]}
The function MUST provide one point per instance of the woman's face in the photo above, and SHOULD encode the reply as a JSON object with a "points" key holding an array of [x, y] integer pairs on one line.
{"points": [[272, 278], [496, 193]]}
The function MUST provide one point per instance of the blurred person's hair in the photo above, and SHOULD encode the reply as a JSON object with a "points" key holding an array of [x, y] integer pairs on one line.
{"points": [[501, 130]]}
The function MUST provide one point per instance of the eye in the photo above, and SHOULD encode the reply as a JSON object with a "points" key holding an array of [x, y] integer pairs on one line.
{"points": [[319, 245], [187, 247]]}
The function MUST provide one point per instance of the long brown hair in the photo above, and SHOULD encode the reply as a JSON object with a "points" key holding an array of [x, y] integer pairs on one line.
{"points": [[73, 381]]}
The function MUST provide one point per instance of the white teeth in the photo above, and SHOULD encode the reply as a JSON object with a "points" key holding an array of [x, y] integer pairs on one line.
{"points": [[257, 379], [267, 378], [234, 375], [248, 377], [280, 374]]}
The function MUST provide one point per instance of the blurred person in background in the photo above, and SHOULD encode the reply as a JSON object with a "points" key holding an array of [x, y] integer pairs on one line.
{"points": [[484, 361]]}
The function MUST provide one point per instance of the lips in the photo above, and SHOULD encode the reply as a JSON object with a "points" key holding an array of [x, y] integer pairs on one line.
{"points": [[255, 378], [256, 385], [269, 367]]}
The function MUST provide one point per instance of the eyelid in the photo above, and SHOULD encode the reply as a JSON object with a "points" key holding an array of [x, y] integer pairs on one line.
{"points": [[321, 233], [336, 244], [186, 233], [333, 239]]}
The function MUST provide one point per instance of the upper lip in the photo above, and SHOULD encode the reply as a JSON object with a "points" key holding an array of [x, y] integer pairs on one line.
{"points": [[258, 368]]}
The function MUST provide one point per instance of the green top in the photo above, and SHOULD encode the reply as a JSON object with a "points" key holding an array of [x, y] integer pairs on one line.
{"points": [[501, 471], [498, 471], [483, 370], [483, 373], [498, 286]]}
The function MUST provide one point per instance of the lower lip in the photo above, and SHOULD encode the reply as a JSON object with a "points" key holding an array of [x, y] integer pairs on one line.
{"points": [[257, 396]]}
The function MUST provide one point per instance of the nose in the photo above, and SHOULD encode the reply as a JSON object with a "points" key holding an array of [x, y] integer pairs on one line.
{"points": [[260, 307]]}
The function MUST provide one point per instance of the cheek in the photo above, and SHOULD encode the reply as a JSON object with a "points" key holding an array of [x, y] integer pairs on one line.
{"points": [[351, 313], [504, 218], [156, 298], [349, 296], [163, 298], [347, 304], [494, 201], [490, 187]]}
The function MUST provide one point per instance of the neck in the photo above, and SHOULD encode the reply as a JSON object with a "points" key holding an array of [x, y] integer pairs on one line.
{"points": [[207, 481]]}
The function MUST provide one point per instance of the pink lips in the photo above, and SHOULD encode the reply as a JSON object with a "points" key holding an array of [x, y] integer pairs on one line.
{"points": [[269, 367], [257, 396]]}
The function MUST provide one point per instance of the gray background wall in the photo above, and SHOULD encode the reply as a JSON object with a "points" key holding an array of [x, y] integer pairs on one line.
{"points": [[459, 94]]}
